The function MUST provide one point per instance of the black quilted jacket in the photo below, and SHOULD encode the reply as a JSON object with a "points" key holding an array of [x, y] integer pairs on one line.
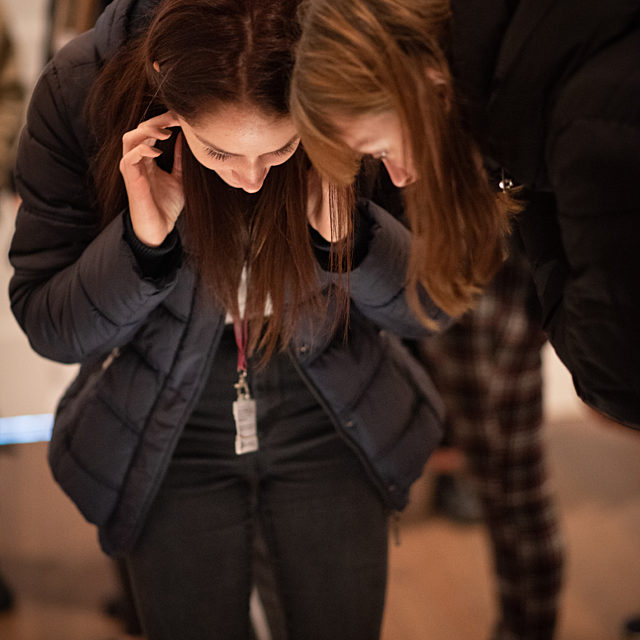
{"points": [[146, 345], [553, 87]]}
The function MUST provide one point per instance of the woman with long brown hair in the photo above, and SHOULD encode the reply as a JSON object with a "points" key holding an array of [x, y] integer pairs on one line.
{"points": [[174, 240]]}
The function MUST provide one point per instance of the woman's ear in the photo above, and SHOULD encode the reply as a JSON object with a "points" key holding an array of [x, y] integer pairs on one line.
{"points": [[435, 75], [442, 83], [156, 66]]}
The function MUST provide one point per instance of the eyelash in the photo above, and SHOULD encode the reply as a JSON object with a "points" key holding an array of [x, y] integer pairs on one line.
{"points": [[286, 150], [216, 155]]}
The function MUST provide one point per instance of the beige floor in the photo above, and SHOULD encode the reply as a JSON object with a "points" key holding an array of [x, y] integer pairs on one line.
{"points": [[441, 585], [440, 577]]}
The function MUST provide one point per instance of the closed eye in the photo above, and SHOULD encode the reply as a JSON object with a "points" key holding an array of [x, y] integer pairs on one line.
{"points": [[285, 150], [216, 155]]}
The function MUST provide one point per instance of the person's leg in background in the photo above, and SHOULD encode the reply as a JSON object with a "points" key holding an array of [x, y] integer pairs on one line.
{"points": [[488, 369], [266, 589], [454, 493], [631, 628]]}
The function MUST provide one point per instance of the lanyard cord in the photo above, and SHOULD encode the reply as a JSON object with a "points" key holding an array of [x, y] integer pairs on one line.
{"points": [[244, 407], [240, 332]]}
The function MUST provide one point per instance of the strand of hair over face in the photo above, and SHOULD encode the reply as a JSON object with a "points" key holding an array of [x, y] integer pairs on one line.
{"points": [[365, 57]]}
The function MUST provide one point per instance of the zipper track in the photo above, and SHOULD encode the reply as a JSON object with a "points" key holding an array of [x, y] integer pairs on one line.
{"points": [[375, 478]]}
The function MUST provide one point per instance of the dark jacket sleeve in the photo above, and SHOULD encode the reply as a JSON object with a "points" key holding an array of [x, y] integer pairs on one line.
{"points": [[586, 257], [378, 284], [77, 289]]}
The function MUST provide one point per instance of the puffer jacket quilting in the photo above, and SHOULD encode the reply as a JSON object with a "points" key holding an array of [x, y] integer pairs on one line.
{"points": [[145, 346]]}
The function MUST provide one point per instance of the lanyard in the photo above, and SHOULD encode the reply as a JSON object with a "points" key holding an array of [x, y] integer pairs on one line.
{"points": [[240, 332], [244, 406]]}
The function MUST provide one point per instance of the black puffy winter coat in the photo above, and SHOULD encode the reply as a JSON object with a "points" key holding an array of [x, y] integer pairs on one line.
{"points": [[554, 89], [146, 345]]}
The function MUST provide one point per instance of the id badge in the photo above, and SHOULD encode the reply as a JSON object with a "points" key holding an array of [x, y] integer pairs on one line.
{"points": [[244, 414]]}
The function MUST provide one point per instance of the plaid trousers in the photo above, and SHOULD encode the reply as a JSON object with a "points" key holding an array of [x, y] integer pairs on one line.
{"points": [[488, 370]]}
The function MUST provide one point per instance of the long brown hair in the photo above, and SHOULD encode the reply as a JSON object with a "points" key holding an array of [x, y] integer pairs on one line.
{"points": [[212, 53], [371, 56]]}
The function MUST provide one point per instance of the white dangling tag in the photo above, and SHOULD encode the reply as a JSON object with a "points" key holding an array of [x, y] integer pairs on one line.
{"points": [[244, 414]]}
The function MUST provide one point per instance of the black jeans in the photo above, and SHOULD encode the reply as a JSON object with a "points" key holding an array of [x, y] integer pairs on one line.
{"points": [[323, 520]]}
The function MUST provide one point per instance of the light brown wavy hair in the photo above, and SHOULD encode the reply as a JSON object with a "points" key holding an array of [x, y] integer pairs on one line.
{"points": [[362, 57], [214, 53]]}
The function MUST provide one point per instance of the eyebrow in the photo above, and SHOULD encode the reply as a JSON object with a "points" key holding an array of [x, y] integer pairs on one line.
{"points": [[365, 142], [235, 155], [366, 146]]}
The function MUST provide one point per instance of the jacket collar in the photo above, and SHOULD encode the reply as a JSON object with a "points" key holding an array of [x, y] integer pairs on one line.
{"points": [[512, 58], [524, 22], [120, 20]]}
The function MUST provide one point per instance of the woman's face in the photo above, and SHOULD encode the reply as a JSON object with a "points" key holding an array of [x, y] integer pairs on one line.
{"points": [[241, 144], [380, 135]]}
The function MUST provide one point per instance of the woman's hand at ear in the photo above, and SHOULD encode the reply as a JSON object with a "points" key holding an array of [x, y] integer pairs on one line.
{"points": [[319, 209], [156, 198]]}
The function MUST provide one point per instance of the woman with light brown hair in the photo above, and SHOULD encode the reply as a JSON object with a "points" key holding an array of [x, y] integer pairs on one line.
{"points": [[385, 88], [544, 91], [365, 83], [460, 101]]}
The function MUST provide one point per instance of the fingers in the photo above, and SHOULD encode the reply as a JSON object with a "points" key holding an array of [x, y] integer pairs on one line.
{"points": [[137, 155], [149, 131], [166, 119], [143, 134]]}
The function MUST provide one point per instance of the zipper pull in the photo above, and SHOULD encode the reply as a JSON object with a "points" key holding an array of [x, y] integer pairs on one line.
{"points": [[505, 184]]}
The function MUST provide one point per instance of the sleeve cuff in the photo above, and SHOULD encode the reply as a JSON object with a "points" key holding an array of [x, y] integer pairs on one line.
{"points": [[154, 262], [361, 237]]}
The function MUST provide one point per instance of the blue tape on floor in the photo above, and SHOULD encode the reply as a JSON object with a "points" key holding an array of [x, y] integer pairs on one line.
{"points": [[29, 428]]}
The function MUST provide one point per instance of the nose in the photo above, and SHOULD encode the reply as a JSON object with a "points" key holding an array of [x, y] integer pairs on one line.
{"points": [[399, 175], [251, 177]]}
